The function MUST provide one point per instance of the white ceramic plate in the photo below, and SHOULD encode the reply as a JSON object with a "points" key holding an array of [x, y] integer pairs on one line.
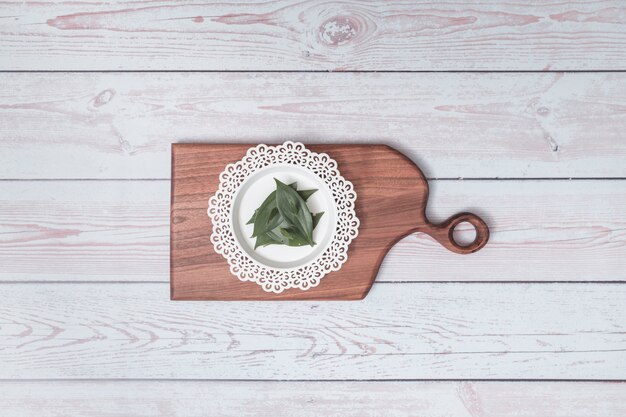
{"points": [[243, 187], [253, 192]]}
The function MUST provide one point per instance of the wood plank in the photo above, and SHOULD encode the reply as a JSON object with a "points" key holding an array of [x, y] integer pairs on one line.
{"points": [[308, 35], [400, 331], [119, 231], [112, 125], [286, 399], [84, 230]]}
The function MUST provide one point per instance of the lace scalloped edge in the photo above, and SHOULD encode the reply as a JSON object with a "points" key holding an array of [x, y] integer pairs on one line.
{"points": [[246, 268]]}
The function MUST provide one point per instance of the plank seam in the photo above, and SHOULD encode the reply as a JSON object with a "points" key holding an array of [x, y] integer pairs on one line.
{"points": [[375, 282], [6, 380], [567, 71], [428, 178]]}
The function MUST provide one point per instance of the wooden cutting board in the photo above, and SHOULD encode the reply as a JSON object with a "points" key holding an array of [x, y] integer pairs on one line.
{"points": [[391, 203]]}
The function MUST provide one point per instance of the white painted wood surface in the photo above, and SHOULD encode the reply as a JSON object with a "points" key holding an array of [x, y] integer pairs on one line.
{"points": [[400, 331], [83, 264], [120, 125], [310, 35], [312, 399], [119, 231]]}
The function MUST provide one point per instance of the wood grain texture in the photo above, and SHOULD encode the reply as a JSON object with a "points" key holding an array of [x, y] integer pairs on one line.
{"points": [[392, 197], [400, 331], [108, 125], [119, 231], [84, 230], [309, 399], [309, 35], [454, 125]]}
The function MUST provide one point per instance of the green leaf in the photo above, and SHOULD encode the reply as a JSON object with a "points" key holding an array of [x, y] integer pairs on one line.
{"points": [[271, 199], [294, 210], [263, 240], [267, 218], [295, 238], [316, 218], [272, 228], [279, 236], [286, 235], [305, 194]]}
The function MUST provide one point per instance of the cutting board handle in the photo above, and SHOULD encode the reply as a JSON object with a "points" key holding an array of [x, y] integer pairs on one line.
{"points": [[444, 232]]}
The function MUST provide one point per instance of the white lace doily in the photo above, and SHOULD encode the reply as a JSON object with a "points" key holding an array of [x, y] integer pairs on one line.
{"points": [[273, 279]]}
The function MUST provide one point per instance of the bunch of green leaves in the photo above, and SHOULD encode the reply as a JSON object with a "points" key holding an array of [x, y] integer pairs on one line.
{"points": [[284, 218]]}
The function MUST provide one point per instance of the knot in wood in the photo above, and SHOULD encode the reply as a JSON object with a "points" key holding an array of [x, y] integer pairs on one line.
{"points": [[339, 30], [104, 97]]}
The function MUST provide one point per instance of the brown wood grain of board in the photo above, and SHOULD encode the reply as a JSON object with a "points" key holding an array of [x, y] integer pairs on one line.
{"points": [[391, 203]]}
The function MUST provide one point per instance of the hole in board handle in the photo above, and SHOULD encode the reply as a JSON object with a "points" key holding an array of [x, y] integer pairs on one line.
{"points": [[464, 234]]}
